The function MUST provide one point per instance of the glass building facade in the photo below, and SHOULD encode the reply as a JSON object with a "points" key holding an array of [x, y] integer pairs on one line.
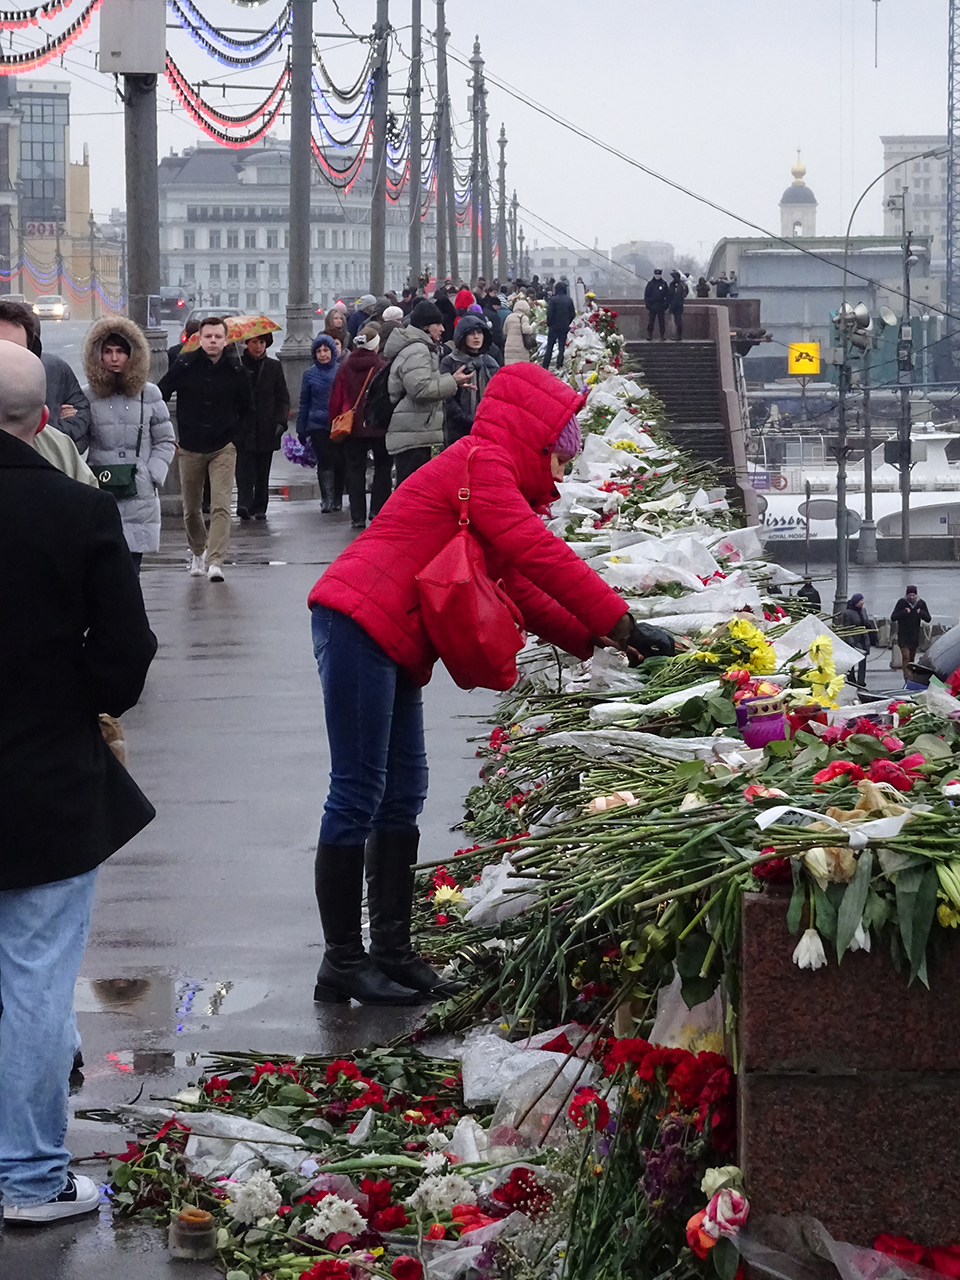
{"points": [[43, 155]]}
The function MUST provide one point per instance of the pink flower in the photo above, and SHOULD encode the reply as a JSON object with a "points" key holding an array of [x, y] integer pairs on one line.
{"points": [[726, 1214], [756, 791]]}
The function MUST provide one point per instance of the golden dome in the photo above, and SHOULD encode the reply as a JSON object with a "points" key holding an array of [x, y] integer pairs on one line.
{"points": [[799, 171]]}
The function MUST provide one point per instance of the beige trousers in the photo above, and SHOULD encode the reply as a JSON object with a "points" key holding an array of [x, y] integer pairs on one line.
{"points": [[194, 468]]}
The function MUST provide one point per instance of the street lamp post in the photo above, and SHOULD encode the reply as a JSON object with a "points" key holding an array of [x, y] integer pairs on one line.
{"points": [[904, 377], [843, 375], [57, 211], [91, 223]]}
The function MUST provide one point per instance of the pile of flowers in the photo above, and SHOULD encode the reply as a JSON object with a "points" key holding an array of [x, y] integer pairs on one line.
{"points": [[394, 1195]]}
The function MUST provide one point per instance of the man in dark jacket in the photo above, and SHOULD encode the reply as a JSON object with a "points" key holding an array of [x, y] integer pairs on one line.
{"points": [[908, 613], [472, 340], [189, 329], [677, 292], [67, 406], [656, 296], [214, 407], [75, 642], [560, 313], [261, 438]]}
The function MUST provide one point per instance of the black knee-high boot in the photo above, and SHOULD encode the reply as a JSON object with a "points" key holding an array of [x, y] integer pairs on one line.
{"points": [[347, 972], [390, 860]]}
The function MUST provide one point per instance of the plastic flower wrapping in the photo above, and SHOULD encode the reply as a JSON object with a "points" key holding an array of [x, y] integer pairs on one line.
{"points": [[299, 451]]}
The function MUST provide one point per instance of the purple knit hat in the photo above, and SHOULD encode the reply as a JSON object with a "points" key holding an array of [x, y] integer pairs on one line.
{"points": [[569, 440]]}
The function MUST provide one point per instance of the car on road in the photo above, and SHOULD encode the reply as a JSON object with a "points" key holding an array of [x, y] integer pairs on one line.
{"points": [[174, 303], [14, 297], [51, 306], [202, 313]]}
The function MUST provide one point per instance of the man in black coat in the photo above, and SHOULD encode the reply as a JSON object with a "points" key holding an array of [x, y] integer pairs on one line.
{"points": [[214, 407], [560, 313], [261, 438], [75, 642], [655, 298]]}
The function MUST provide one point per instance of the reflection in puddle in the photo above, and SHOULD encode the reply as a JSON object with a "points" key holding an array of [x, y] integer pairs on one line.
{"points": [[162, 1000]]}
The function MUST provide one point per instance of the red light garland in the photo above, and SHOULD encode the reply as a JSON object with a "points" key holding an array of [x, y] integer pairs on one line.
{"points": [[15, 63]]}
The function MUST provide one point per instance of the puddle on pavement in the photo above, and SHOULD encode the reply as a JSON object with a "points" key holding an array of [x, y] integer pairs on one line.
{"points": [[167, 1003]]}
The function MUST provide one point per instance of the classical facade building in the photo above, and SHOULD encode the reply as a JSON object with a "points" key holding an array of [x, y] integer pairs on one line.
{"points": [[224, 230]]}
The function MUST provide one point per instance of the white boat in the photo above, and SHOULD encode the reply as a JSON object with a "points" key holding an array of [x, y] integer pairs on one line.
{"points": [[782, 465]]}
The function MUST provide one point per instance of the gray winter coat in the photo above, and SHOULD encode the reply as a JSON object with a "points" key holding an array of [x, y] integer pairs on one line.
{"points": [[420, 388], [115, 408]]}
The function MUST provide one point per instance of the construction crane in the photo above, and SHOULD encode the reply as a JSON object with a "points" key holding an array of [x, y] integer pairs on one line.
{"points": [[953, 179]]}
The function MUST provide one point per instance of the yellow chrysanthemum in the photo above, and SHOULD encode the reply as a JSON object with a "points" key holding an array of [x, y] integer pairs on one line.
{"points": [[703, 656], [948, 916], [627, 445], [447, 894]]}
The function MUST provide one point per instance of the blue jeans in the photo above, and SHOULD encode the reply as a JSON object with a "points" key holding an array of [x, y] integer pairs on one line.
{"points": [[43, 933], [374, 715]]}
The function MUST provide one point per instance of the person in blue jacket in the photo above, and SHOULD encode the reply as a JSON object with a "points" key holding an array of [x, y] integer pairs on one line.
{"points": [[313, 422]]}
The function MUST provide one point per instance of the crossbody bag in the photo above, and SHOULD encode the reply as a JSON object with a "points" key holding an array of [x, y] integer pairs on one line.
{"points": [[120, 478]]}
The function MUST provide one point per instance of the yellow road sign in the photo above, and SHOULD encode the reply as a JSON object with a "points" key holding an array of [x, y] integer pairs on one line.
{"points": [[803, 357]]}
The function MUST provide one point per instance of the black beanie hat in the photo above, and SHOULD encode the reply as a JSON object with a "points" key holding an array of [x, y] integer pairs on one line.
{"points": [[425, 314]]}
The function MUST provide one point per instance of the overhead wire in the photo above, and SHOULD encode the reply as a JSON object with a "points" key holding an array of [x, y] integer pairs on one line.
{"points": [[550, 114]]}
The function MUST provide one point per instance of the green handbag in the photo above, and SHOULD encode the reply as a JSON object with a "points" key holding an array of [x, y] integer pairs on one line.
{"points": [[120, 478]]}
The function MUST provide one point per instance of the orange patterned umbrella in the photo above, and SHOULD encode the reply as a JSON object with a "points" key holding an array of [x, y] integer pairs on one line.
{"points": [[239, 329]]}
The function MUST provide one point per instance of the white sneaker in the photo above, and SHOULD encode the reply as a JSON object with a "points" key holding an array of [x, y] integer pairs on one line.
{"points": [[198, 566], [215, 573], [80, 1195]]}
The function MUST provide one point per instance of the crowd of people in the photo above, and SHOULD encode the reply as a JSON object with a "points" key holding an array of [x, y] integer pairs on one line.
{"points": [[78, 645]]}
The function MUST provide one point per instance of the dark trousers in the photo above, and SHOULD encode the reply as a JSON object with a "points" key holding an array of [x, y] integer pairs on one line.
{"points": [[556, 337], [356, 452], [331, 465], [409, 461], [659, 317], [374, 716], [253, 480], [678, 324]]}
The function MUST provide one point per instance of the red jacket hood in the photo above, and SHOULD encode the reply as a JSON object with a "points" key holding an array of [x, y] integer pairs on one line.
{"points": [[523, 411]]}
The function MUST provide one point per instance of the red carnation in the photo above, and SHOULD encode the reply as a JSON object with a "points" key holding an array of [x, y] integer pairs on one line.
{"points": [[577, 1111], [773, 871], [437, 1232], [392, 1218], [944, 1259], [341, 1067], [406, 1268], [625, 1053], [327, 1269], [899, 1247], [378, 1193]]}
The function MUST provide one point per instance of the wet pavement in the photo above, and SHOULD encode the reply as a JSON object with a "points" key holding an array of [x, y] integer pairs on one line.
{"points": [[205, 934]]}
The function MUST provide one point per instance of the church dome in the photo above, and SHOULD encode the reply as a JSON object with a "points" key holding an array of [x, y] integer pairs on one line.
{"points": [[798, 192]]}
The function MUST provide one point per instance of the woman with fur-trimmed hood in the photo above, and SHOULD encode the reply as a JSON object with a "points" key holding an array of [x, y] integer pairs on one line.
{"points": [[117, 360]]}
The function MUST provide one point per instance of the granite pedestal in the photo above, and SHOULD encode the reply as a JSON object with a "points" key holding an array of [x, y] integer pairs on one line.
{"points": [[849, 1087]]}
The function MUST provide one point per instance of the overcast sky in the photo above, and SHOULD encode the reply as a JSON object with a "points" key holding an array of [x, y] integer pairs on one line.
{"points": [[714, 94]]}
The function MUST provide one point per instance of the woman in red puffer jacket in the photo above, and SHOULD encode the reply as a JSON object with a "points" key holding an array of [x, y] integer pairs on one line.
{"points": [[374, 656]]}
